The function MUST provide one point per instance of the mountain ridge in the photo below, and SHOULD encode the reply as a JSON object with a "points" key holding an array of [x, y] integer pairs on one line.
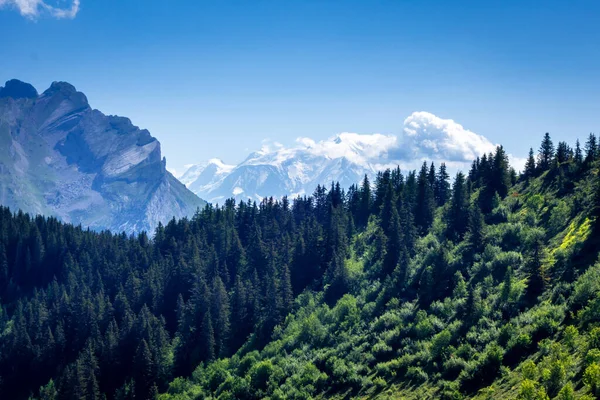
{"points": [[63, 158], [281, 171]]}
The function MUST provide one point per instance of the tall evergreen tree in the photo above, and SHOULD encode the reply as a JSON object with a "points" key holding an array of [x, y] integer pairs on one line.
{"points": [[287, 294], [425, 202], [458, 212], [393, 232], [530, 166], [339, 281], [546, 153], [221, 317], [144, 371], [563, 152], [578, 156], [442, 185], [365, 202], [591, 149], [207, 337]]}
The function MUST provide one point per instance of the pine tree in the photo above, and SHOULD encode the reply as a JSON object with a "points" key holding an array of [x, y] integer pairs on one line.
{"points": [[287, 294], [394, 242], [472, 308], [339, 281], [240, 328], [535, 267], [507, 286], [365, 202], [591, 149], [87, 368], [563, 152], [458, 212], [431, 176], [426, 287], [500, 175], [221, 317], [476, 228], [442, 186], [144, 371], [207, 337], [578, 157], [425, 202], [546, 153], [48, 391], [530, 166]]}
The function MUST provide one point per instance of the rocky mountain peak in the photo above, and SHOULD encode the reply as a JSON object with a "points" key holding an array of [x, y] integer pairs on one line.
{"points": [[17, 89], [66, 91], [87, 168]]}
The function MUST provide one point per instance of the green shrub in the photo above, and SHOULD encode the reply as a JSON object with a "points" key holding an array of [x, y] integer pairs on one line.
{"points": [[554, 377], [440, 344], [379, 383], [570, 336], [247, 362], [567, 392], [382, 350], [530, 390], [592, 357], [591, 378], [416, 375], [529, 370], [260, 374], [594, 338], [452, 367]]}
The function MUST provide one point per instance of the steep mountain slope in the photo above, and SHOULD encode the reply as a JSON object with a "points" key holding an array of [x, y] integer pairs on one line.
{"points": [[282, 171], [499, 300], [60, 157]]}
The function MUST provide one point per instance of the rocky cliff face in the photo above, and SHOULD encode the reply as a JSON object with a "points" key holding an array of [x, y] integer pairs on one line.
{"points": [[60, 157]]}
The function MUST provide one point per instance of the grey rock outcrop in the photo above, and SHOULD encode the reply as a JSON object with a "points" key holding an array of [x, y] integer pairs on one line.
{"points": [[60, 157]]}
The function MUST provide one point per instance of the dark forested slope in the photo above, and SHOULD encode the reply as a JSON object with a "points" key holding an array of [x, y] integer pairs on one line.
{"points": [[412, 286]]}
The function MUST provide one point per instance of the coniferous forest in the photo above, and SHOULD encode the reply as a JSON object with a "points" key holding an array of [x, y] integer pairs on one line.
{"points": [[416, 285]]}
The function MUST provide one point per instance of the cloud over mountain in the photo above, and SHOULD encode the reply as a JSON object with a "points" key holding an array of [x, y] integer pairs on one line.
{"points": [[277, 170], [33, 9], [426, 136]]}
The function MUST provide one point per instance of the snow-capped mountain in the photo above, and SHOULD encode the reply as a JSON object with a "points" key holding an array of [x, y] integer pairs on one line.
{"points": [[60, 157], [280, 171], [276, 170], [203, 177]]}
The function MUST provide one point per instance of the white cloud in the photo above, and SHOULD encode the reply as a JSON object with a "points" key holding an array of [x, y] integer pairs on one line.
{"points": [[518, 163], [427, 136], [424, 137], [32, 9]]}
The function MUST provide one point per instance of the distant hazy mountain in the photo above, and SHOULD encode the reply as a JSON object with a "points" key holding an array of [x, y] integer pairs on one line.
{"points": [[284, 171], [60, 157]]}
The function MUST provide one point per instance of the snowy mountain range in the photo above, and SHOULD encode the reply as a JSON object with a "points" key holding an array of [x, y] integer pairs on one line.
{"points": [[280, 171], [276, 170]]}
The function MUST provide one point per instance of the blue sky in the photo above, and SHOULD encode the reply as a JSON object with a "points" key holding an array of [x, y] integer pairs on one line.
{"points": [[215, 78]]}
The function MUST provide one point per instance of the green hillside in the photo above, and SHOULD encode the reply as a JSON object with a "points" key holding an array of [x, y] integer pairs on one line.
{"points": [[499, 299], [414, 286]]}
